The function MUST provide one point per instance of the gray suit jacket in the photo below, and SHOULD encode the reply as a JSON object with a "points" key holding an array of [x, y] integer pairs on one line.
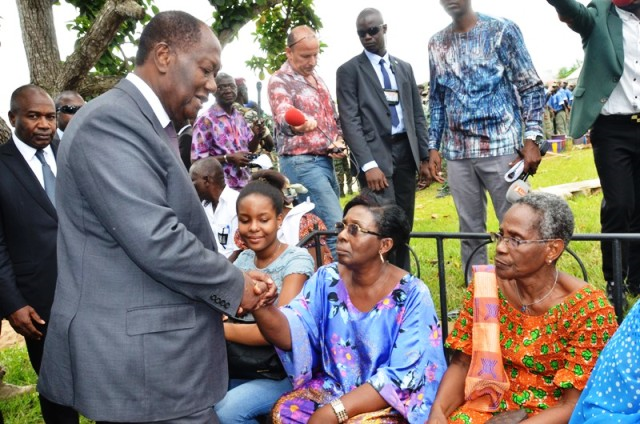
{"points": [[135, 331], [365, 116]]}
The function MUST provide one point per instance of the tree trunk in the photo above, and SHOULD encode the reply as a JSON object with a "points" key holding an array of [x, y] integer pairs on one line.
{"points": [[41, 46], [94, 85], [40, 43], [5, 132], [93, 45]]}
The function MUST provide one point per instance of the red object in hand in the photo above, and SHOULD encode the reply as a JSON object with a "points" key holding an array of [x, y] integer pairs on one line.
{"points": [[294, 117], [622, 3]]}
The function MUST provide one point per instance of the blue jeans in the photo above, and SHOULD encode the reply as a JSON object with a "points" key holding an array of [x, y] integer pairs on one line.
{"points": [[316, 173], [248, 399]]}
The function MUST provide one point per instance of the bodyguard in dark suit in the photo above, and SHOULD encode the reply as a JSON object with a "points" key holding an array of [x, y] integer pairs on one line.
{"points": [[28, 227], [136, 325], [606, 99], [382, 121]]}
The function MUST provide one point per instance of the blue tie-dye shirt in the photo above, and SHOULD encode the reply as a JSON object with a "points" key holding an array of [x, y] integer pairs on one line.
{"points": [[483, 88]]}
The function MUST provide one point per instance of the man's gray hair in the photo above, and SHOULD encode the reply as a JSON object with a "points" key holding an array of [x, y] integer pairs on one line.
{"points": [[555, 216]]}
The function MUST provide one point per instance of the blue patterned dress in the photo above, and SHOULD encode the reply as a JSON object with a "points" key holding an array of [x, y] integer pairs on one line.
{"points": [[612, 394], [396, 347]]}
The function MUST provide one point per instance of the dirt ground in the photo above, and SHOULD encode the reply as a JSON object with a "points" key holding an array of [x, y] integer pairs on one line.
{"points": [[9, 337]]}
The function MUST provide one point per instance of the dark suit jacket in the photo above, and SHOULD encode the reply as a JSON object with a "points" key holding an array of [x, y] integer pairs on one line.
{"points": [[365, 116], [28, 228], [600, 28], [136, 330]]}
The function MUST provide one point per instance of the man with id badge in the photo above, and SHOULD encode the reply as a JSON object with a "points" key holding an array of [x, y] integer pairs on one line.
{"points": [[383, 122]]}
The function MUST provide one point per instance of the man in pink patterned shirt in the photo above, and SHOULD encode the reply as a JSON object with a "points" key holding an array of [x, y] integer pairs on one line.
{"points": [[223, 133], [306, 151]]}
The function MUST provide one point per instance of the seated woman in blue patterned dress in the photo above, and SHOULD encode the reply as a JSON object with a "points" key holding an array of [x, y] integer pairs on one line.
{"points": [[362, 341], [612, 394]]}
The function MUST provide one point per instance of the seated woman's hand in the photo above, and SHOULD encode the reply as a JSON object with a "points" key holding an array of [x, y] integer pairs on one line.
{"points": [[509, 417]]}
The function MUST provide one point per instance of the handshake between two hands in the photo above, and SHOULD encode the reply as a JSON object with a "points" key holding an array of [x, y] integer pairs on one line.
{"points": [[259, 291]]}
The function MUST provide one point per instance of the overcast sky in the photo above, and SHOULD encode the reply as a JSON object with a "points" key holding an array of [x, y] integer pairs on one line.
{"points": [[410, 25]]}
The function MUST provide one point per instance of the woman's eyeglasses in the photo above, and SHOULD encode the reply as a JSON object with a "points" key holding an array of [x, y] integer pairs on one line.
{"points": [[371, 31], [513, 243], [69, 109], [354, 229]]}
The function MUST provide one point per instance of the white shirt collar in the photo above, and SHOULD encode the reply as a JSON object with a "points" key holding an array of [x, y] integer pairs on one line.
{"points": [[375, 59], [151, 98], [60, 133], [27, 151]]}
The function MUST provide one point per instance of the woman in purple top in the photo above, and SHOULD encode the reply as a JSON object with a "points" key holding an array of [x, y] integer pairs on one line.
{"points": [[362, 339]]}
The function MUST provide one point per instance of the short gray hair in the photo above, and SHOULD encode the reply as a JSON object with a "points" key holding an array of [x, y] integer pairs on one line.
{"points": [[555, 219]]}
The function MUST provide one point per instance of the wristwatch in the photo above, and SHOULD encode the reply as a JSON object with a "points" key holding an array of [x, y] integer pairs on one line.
{"points": [[539, 141]]}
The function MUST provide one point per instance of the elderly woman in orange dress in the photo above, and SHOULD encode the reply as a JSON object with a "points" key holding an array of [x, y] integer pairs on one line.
{"points": [[528, 335]]}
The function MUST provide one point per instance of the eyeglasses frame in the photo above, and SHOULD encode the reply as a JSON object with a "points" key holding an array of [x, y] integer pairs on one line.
{"points": [[365, 32], [499, 238], [69, 109], [354, 225]]}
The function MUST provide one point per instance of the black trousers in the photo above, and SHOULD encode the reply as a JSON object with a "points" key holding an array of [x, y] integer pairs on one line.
{"points": [[616, 151], [52, 413], [401, 191]]}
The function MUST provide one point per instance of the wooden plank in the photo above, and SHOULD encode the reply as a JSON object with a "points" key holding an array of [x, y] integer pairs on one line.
{"points": [[568, 190]]}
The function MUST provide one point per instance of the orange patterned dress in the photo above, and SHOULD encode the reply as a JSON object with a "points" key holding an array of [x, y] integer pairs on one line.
{"points": [[542, 354]]}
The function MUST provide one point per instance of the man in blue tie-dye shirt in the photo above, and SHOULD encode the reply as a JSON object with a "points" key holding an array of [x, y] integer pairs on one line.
{"points": [[486, 102]]}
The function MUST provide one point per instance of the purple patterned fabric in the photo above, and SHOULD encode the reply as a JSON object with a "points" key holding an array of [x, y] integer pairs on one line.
{"points": [[396, 346], [216, 133]]}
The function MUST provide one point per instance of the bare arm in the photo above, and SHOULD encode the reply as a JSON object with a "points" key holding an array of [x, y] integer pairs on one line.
{"points": [[451, 391], [249, 334], [274, 326], [561, 412], [362, 399]]}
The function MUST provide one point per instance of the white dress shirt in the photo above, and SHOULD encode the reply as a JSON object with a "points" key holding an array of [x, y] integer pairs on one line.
{"points": [[625, 98], [29, 154], [224, 220], [151, 98], [375, 62]]}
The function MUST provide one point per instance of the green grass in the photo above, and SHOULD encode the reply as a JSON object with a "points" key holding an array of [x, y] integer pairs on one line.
{"points": [[432, 215], [24, 409]]}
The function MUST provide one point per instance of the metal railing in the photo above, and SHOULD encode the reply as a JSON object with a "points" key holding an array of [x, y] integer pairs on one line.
{"points": [[615, 238]]}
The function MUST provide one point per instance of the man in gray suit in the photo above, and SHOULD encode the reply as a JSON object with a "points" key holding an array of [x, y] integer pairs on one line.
{"points": [[136, 333], [382, 121]]}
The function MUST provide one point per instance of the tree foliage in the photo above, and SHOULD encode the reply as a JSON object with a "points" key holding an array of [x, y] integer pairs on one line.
{"points": [[565, 72], [273, 21], [113, 60]]}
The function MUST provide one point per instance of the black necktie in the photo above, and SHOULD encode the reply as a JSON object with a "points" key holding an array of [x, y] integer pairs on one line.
{"points": [[173, 137], [395, 121], [49, 178]]}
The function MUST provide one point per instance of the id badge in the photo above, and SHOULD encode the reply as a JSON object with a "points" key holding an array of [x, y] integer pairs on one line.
{"points": [[393, 97]]}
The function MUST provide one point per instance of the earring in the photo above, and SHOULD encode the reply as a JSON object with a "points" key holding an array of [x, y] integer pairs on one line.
{"points": [[381, 257]]}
